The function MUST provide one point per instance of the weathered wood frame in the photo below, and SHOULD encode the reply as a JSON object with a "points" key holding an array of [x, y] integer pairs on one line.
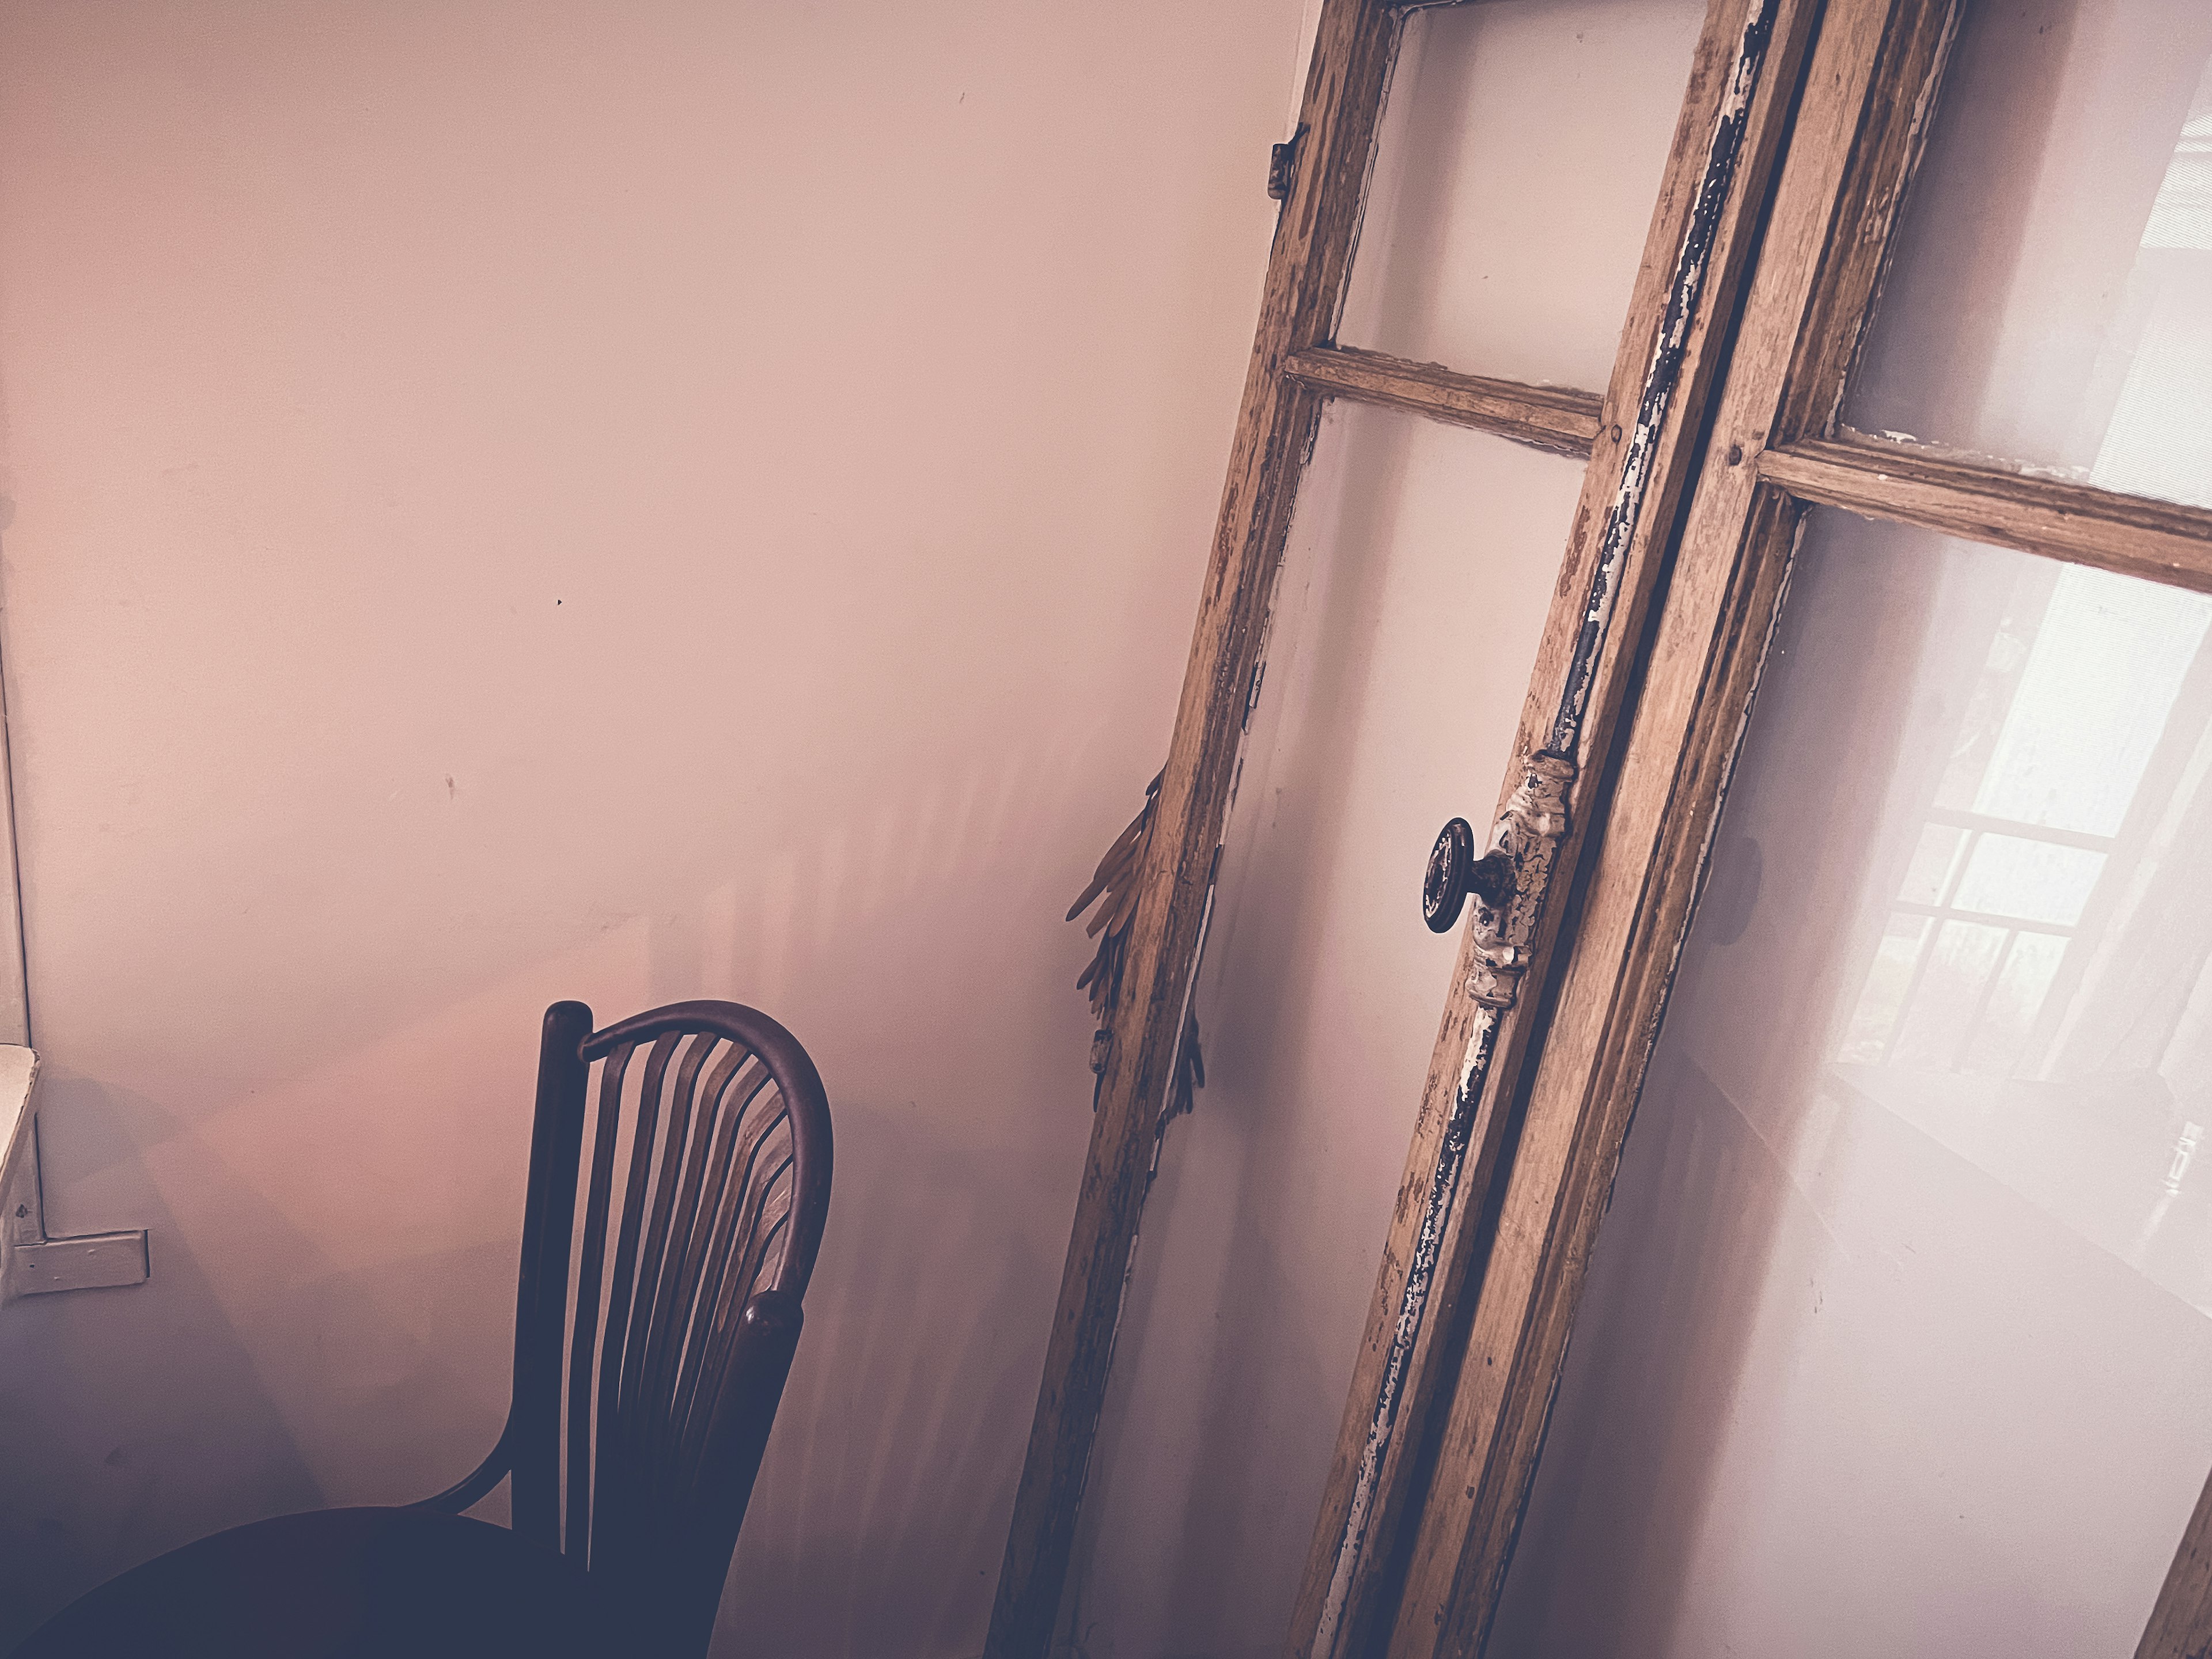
{"points": [[1672, 349], [1775, 447], [1800, 130], [1641, 438]]}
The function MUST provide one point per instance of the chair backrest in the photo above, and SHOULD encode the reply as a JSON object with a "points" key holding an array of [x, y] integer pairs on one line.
{"points": [[660, 1294]]}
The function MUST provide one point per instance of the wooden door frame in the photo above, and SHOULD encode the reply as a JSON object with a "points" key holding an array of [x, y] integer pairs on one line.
{"points": [[1642, 439], [1717, 429], [1673, 348], [1775, 449]]}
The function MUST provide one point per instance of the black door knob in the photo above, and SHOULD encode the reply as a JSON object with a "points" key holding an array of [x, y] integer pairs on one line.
{"points": [[1454, 872]]}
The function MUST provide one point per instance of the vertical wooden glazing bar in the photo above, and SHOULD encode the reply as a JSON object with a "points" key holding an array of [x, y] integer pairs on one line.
{"points": [[1355, 43], [2180, 1625]]}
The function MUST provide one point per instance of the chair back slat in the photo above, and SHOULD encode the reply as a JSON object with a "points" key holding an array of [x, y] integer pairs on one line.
{"points": [[692, 1235], [737, 1274], [724, 1104], [583, 1347], [610, 1500], [746, 1129], [752, 1244], [632, 1410]]}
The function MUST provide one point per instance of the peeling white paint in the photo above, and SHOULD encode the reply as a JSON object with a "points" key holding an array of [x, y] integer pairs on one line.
{"points": [[1534, 822]]}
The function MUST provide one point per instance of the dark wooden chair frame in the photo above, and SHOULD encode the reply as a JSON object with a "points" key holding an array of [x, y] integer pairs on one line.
{"points": [[670, 1388]]}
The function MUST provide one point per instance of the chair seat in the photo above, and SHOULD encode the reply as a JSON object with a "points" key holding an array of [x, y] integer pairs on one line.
{"points": [[360, 1584]]}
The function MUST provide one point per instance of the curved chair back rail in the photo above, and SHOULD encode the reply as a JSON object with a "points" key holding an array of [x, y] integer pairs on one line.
{"points": [[659, 1303]]}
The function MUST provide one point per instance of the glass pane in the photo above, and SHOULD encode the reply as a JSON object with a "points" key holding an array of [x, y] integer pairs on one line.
{"points": [[1896, 953], [2071, 702], [1420, 568], [2051, 298], [1896, 1337], [1518, 163], [2031, 880], [2000, 1039], [1939, 1016], [1935, 860]]}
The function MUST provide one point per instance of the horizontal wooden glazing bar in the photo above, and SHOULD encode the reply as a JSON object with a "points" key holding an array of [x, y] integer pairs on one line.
{"points": [[1992, 825], [1982, 919], [1556, 418], [2079, 523]]}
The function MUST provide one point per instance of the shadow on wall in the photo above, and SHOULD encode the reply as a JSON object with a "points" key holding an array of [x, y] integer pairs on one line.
{"points": [[179, 1391], [851, 1532], [91, 1490], [848, 1520], [1215, 1437], [1295, 1045], [330, 1317]]}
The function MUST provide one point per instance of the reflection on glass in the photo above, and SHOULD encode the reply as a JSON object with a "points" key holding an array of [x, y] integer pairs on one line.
{"points": [[1518, 161], [2031, 880], [1896, 1337], [1888, 978], [1935, 860], [2051, 301], [2072, 697]]}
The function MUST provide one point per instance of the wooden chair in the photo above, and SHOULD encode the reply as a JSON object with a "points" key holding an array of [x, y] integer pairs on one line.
{"points": [[659, 1308], [675, 1356]]}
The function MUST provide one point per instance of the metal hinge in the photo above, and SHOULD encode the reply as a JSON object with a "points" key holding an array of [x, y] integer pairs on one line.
{"points": [[1283, 166]]}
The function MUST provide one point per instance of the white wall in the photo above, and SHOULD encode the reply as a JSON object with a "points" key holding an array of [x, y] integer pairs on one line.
{"points": [[626, 501]]}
